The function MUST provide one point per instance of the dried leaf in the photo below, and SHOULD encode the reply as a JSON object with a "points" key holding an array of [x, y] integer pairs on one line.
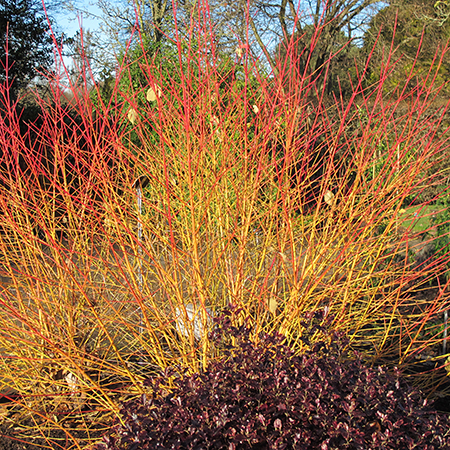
{"points": [[132, 116], [153, 94], [329, 198], [273, 305]]}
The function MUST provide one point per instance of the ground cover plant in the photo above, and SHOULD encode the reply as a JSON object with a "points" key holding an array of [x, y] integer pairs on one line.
{"points": [[260, 395], [216, 182]]}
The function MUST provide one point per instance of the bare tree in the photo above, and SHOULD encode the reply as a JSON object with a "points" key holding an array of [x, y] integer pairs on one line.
{"points": [[274, 21], [259, 26], [120, 20], [124, 16]]}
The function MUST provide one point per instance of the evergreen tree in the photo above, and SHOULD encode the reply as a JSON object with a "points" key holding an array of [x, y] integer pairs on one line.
{"points": [[26, 45]]}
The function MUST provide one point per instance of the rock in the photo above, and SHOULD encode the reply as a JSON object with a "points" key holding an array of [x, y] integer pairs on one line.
{"points": [[192, 317]]}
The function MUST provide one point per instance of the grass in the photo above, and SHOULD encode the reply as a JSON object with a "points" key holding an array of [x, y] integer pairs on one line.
{"points": [[420, 218], [276, 210]]}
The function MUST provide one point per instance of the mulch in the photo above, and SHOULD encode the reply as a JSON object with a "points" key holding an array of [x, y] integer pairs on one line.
{"points": [[57, 440], [11, 439], [22, 433]]}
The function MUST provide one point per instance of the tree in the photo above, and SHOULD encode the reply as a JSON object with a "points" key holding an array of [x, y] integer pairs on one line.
{"points": [[121, 18], [270, 23], [26, 45], [260, 25], [87, 62], [417, 30], [321, 28], [304, 60]]}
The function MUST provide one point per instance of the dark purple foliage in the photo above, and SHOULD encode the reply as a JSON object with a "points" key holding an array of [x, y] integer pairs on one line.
{"points": [[262, 396]]}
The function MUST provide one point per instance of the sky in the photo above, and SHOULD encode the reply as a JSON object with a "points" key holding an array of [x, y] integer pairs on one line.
{"points": [[69, 21]]}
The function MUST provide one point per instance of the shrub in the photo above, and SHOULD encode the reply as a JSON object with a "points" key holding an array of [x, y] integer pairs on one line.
{"points": [[258, 195], [263, 396]]}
